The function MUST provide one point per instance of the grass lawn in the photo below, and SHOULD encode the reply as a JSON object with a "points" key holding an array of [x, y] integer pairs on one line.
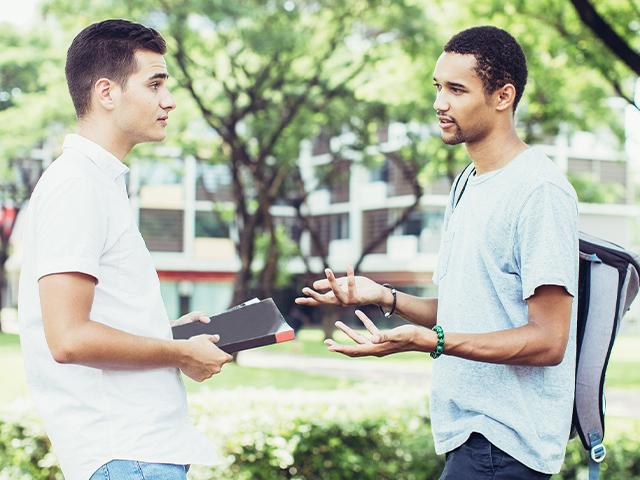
{"points": [[309, 341], [234, 376], [13, 384], [12, 381], [623, 371]]}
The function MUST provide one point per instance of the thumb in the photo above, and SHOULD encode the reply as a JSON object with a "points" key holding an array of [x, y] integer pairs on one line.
{"points": [[214, 338]]}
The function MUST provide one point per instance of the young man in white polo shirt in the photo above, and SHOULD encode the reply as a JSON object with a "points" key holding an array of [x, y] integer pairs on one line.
{"points": [[100, 359]]}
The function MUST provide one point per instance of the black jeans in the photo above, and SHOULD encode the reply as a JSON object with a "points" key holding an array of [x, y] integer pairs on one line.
{"points": [[478, 459]]}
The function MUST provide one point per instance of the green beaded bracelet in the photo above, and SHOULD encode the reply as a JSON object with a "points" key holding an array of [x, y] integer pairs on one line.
{"points": [[439, 350]]}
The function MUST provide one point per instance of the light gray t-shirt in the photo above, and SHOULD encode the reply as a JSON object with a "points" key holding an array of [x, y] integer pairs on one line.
{"points": [[513, 230]]}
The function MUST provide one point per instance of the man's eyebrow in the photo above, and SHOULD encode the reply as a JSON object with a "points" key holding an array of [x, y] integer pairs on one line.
{"points": [[451, 84], [155, 76]]}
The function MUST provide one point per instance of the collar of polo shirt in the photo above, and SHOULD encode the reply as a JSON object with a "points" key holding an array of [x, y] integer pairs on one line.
{"points": [[104, 159]]}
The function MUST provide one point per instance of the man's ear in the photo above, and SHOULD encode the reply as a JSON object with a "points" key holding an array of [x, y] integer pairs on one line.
{"points": [[105, 92], [505, 96]]}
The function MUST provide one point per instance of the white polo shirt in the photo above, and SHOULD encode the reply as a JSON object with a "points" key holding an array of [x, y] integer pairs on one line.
{"points": [[79, 220]]}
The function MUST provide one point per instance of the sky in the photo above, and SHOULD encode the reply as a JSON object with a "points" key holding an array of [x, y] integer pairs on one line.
{"points": [[18, 12]]}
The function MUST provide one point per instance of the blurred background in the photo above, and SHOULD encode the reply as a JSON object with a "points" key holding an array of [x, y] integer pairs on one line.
{"points": [[305, 137]]}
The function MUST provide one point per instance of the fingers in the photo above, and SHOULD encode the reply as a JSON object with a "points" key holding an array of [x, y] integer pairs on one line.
{"points": [[332, 346], [321, 285], [352, 334], [198, 317], [227, 358], [191, 317], [213, 338], [321, 298], [350, 350], [341, 296], [351, 282], [309, 302], [377, 336]]}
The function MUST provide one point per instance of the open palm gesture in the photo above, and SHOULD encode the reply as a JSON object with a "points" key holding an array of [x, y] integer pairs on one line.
{"points": [[343, 291], [379, 343]]}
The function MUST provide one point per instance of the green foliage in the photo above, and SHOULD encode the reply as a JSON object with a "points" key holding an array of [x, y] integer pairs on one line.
{"points": [[590, 190], [336, 450], [34, 103], [25, 450], [571, 73], [356, 433]]}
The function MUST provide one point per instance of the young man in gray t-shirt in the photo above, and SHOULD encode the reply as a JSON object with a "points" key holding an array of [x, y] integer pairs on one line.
{"points": [[503, 326]]}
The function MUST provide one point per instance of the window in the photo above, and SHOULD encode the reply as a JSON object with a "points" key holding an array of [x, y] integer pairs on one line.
{"points": [[213, 183], [339, 226], [162, 229], [328, 228], [210, 225], [374, 222], [380, 173]]}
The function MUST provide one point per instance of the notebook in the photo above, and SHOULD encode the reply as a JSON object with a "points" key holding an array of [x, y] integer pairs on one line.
{"points": [[252, 324]]}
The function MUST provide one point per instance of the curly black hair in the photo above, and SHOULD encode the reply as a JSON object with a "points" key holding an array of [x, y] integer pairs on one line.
{"points": [[499, 57]]}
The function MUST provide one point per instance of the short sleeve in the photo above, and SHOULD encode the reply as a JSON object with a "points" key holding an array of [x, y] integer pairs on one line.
{"points": [[70, 229], [546, 243]]}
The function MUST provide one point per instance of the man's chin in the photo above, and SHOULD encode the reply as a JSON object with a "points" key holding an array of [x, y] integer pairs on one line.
{"points": [[452, 139], [156, 137]]}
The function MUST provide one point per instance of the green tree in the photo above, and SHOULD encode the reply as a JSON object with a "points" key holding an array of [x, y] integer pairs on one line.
{"points": [[257, 77], [30, 110], [263, 76]]}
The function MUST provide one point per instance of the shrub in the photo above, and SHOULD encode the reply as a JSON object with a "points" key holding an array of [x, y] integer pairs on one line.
{"points": [[357, 433]]}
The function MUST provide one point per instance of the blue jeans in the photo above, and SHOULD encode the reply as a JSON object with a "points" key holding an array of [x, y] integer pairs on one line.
{"points": [[479, 459], [133, 470]]}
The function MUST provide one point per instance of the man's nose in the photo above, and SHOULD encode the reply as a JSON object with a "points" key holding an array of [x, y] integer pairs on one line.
{"points": [[168, 103], [440, 104]]}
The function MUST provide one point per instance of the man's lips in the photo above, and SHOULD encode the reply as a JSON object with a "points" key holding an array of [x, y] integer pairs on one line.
{"points": [[445, 122], [163, 120]]}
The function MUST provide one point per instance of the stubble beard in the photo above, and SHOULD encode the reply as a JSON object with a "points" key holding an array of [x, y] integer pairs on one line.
{"points": [[454, 139]]}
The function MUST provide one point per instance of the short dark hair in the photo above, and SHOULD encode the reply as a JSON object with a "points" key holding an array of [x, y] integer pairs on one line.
{"points": [[106, 49], [499, 57]]}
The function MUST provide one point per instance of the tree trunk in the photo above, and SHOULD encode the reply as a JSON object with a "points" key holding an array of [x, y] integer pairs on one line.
{"points": [[330, 315]]}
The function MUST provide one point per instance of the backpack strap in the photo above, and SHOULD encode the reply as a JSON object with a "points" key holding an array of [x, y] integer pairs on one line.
{"points": [[465, 174], [596, 455]]}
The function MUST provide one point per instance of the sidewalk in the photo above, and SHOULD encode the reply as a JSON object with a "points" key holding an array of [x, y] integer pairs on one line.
{"points": [[620, 403]]}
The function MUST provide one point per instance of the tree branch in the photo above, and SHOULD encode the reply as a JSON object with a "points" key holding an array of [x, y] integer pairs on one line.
{"points": [[604, 70], [411, 175], [601, 29]]}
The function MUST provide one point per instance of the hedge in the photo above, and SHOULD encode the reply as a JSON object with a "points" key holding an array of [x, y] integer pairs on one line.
{"points": [[359, 433]]}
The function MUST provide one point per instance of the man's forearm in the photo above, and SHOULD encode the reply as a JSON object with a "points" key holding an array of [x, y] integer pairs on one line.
{"points": [[417, 310], [97, 345], [528, 345]]}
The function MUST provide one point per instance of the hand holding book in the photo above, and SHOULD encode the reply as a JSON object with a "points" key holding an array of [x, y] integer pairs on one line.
{"points": [[252, 324]]}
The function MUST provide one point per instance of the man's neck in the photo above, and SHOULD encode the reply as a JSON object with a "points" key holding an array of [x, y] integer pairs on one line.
{"points": [[495, 151], [104, 136]]}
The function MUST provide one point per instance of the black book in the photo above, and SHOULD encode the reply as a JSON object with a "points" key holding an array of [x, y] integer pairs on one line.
{"points": [[250, 325]]}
